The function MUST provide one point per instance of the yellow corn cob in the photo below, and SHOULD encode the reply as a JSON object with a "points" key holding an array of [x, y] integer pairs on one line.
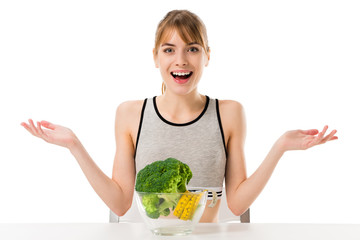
{"points": [[196, 198], [187, 205], [188, 209], [182, 204]]}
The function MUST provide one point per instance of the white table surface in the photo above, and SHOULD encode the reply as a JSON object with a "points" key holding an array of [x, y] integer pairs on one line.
{"points": [[108, 231]]}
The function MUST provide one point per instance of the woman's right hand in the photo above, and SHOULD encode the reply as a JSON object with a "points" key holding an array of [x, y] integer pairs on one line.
{"points": [[51, 133]]}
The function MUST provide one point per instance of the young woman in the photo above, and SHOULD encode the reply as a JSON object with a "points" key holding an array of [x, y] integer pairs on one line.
{"points": [[207, 134]]}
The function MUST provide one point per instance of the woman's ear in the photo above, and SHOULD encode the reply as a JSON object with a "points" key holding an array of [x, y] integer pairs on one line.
{"points": [[207, 56], [155, 58]]}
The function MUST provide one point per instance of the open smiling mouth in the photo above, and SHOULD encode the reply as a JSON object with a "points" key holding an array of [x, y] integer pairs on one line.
{"points": [[181, 77]]}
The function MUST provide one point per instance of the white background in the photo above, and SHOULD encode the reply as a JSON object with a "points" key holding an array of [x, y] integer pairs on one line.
{"points": [[292, 64]]}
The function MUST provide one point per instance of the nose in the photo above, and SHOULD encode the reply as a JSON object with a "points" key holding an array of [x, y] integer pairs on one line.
{"points": [[181, 59]]}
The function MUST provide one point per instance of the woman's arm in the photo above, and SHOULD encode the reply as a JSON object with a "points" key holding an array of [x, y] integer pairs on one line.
{"points": [[117, 192], [238, 186]]}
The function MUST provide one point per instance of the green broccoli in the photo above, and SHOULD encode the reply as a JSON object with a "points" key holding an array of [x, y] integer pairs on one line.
{"points": [[168, 176], [151, 202]]}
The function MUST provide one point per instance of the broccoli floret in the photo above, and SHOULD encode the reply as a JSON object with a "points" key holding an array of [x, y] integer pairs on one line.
{"points": [[168, 176], [151, 202], [158, 204], [166, 202], [166, 212]]}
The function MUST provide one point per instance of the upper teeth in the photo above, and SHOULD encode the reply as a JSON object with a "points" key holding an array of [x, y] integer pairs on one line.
{"points": [[181, 73]]}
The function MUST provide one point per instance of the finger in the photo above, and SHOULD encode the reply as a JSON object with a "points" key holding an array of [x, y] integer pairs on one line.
{"points": [[33, 128], [29, 128], [26, 126], [310, 132], [328, 137], [39, 128], [320, 137], [325, 129], [48, 125], [43, 135]]}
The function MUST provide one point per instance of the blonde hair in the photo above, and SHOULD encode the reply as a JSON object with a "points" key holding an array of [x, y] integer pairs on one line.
{"points": [[187, 24]]}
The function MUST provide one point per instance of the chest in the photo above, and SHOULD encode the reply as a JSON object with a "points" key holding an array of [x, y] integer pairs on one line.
{"points": [[198, 143], [199, 146]]}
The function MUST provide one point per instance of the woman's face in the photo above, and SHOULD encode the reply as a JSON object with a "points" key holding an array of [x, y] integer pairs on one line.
{"points": [[181, 64]]}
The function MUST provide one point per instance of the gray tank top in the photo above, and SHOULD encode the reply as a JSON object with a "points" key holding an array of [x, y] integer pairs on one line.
{"points": [[198, 143]]}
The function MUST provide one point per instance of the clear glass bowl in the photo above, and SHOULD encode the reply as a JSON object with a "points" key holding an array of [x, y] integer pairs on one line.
{"points": [[164, 213]]}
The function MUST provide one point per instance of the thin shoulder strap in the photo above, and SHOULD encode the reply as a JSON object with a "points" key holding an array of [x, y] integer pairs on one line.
{"points": [[140, 124], [220, 125]]}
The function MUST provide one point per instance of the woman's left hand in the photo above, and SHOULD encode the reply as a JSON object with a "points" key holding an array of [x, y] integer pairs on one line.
{"points": [[304, 139]]}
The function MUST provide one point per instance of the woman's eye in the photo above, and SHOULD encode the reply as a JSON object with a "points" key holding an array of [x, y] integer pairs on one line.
{"points": [[168, 50], [193, 49]]}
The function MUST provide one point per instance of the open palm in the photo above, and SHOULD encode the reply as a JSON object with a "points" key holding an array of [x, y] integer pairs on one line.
{"points": [[304, 139], [51, 133]]}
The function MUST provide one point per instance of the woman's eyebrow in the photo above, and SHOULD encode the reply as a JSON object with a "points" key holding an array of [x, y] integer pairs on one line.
{"points": [[193, 43], [168, 44], [173, 45]]}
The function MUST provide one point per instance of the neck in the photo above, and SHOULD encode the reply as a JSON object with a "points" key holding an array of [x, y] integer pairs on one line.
{"points": [[182, 106], [188, 101]]}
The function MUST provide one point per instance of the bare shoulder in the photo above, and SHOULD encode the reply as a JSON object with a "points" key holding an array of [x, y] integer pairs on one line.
{"points": [[130, 109], [230, 105], [230, 109], [232, 117], [128, 116]]}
